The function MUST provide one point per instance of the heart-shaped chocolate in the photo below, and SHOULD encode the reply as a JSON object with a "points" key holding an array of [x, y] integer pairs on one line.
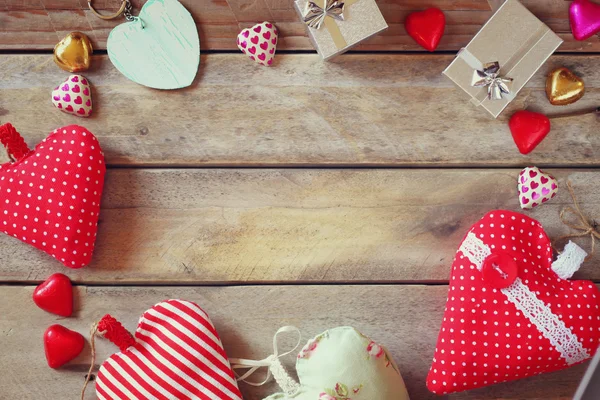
{"points": [[585, 19], [528, 129], [74, 52], [426, 27], [74, 96], [160, 48], [176, 354], [535, 187], [511, 312], [564, 87], [55, 295], [61, 345], [340, 364], [259, 43], [51, 195]]}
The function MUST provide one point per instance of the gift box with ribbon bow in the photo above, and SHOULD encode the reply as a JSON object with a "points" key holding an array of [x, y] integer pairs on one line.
{"points": [[503, 57], [334, 26]]}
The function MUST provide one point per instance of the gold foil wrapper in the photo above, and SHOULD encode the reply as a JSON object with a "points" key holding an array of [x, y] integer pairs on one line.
{"points": [[74, 52], [362, 19], [517, 40]]}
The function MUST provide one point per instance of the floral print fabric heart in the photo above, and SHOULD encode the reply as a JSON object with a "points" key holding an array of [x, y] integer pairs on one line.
{"points": [[344, 364], [51, 195], [74, 96], [535, 187], [259, 43], [496, 331]]}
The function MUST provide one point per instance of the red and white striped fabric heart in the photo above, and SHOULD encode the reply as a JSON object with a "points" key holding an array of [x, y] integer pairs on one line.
{"points": [[176, 354], [512, 312], [51, 195]]}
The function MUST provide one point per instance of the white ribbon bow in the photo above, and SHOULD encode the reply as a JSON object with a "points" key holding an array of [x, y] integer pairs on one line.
{"points": [[272, 363]]}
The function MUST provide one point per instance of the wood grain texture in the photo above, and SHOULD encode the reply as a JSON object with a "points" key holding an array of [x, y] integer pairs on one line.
{"points": [[404, 318], [383, 110], [40, 24], [228, 226]]}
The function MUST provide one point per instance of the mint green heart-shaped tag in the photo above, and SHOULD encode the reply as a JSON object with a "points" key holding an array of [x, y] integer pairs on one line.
{"points": [[160, 48]]}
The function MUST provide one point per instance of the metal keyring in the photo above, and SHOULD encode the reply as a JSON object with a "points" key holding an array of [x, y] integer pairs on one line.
{"points": [[124, 6]]}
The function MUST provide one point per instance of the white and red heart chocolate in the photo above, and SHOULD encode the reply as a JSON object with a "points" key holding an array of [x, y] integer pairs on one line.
{"points": [[259, 43], [74, 96], [535, 187], [511, 311]]}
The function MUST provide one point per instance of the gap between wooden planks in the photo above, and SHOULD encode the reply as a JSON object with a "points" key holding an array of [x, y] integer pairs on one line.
{"points": [[39, 25], [405, 319], [360, 110], [223, 226]]}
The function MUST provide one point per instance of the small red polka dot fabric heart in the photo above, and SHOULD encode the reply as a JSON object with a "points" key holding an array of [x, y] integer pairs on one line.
{"points": [[51, 195], [511, 311]]}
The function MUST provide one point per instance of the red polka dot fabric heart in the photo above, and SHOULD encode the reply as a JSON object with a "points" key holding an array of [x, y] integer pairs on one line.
{"points": [[512, 312], [51, 195], [176, 354]]}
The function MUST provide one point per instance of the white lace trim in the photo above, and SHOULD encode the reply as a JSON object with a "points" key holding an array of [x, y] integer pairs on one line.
{"points": [[534, 309], [475, 250], [285, 382], [549, 324], [569, 261]]}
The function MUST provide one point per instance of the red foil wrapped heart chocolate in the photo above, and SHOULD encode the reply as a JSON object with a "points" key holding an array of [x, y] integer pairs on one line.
{"points": [[55, 295], [61, 345], [51, 195], [426, 27], [512, 312], [528, 129]]}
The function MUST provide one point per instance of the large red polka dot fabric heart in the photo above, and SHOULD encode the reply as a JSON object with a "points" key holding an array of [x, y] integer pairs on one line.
{"points": [[176, 355], [512, 312], [51, 195]]}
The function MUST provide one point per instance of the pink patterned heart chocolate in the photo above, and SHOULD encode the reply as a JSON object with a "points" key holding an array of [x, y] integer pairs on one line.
{"points": [[585, 19], [74, 96], [535, 187], [259, 43]]}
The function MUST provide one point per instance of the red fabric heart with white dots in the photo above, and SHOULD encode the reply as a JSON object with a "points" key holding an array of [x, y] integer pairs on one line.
{"points": [[512, 312], [51, 195]]}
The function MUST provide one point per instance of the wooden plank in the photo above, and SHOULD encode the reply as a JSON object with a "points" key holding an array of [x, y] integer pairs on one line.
{"points": [[382, 110], [224, 226], [39, 25], [404, 318]]}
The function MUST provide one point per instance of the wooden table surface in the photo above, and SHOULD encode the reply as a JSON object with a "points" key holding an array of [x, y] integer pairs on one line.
{"points": [[310, 193]]}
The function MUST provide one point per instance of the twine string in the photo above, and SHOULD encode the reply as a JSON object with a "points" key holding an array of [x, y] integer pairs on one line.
{"points": [[111, 329], [88, 377], [584, 226]]}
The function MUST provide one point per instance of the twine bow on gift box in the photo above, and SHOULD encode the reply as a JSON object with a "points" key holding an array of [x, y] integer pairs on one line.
{"points": [[489, 77], [585, 226], [319, 13]]}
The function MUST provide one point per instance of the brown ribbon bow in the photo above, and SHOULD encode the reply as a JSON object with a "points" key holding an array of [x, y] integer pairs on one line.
{"points": [[584, 225]]}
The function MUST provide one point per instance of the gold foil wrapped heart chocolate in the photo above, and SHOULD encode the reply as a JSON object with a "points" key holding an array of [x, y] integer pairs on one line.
{"points": [[563, 87], [74, 52]]}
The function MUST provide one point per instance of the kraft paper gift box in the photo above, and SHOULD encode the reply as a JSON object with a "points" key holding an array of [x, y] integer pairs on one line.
{"points": [[336, 26], [515, 39]]}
